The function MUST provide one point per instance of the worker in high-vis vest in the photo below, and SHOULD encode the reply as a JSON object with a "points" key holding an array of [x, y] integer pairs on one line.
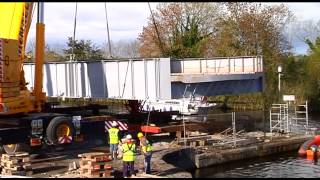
{"points": [[146, 150], [114, 139], [129, 156]]}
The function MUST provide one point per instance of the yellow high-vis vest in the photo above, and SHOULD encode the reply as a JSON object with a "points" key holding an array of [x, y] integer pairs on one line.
{"points": [[147, 148], [113, 136], [129, 152]]}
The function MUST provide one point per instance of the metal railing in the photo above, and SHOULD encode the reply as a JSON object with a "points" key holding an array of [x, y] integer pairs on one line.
{"points": [[226, 65]]}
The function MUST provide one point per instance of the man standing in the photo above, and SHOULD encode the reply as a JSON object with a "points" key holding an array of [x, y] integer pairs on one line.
{"points": [[129, 156], [114, 139], [146, 150]]}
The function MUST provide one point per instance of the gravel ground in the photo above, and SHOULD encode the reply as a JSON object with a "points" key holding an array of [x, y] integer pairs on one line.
{"points": [[56, 163]]}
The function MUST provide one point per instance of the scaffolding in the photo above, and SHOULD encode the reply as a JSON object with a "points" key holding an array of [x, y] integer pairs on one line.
{"points": [[279, 118], [286, 118]]}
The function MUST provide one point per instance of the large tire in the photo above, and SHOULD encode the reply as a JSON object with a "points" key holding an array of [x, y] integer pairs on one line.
{"points": [[51, 131], [13, 148]]}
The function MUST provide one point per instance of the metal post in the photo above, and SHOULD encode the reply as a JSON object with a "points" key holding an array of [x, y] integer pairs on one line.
{"points": [[287, 117], [234, 128], [279, 83], [118, 79], [242, 64], [184, 126], [132, 79], [229, 64], [146, 78], [307, 116]]}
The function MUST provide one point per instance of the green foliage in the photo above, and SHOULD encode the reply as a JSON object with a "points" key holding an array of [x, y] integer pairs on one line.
{"points": [[83, 50], [187, 40], [312, 82]]}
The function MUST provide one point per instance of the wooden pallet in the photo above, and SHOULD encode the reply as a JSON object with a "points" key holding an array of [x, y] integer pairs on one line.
{"points": [[16, 172], [95, 157], [20, 157], [16, 164]]}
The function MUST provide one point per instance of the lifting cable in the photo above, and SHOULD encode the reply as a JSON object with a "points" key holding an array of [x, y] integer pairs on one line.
{"points": [[105, 9], [74, 33], [125, 79], [156, 28]]}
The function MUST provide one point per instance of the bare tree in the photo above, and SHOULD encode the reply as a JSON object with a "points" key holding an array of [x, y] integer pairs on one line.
{"points": [[122, 49], [306, 29]]}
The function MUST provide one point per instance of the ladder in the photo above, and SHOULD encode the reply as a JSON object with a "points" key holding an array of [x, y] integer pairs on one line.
{"points": [[279, 118], [301, 116], [286, 119]]}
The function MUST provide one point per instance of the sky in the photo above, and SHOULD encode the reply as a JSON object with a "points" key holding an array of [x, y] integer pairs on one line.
{"points": [[126, 21]]}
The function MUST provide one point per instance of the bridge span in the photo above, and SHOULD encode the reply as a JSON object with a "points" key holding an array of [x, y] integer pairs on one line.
{"points": [[156, 78]]}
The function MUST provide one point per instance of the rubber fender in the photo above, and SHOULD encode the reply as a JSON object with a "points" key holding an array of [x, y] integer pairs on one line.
{"points": [[306, 145]]}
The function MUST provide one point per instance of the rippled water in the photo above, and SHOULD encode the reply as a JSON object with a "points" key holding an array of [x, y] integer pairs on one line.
{"points": [[286, 165]]}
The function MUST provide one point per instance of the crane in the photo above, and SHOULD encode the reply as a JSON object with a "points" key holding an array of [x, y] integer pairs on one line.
{"points": [[15, 20]]}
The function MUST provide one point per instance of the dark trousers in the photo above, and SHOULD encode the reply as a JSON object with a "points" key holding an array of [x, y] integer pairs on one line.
{"points": [[147, 163], [128, 168]]}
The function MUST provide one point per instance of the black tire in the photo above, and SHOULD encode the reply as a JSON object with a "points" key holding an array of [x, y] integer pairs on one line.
{"points": [[13, 148], [51, 131]]}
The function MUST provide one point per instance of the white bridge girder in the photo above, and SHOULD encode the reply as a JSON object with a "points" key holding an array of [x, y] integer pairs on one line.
{"points": [[135, 78]]}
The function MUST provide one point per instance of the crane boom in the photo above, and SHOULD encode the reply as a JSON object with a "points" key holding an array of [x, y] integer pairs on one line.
{"points": [[15, 20]]}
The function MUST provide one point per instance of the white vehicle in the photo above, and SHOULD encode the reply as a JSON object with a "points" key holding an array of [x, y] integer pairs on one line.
{"points": [[185, 106]]}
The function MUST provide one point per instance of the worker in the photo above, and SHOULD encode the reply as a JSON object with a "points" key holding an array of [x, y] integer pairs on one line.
{"points": [[129, 156], [314, 149], [146, 150], [114, 139]]}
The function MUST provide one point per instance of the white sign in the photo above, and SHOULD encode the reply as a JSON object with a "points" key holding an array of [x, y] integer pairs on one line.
{"points": [[288, 97]]}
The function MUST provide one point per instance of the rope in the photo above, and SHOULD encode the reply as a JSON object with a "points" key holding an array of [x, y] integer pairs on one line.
{"points": [[110, 53], [74, 31]]}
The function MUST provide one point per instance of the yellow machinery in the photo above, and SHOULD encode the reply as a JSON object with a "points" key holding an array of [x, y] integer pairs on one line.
{"points": [[15, 21]]}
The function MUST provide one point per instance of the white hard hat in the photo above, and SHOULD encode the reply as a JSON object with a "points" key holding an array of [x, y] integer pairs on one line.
{"points": [[114, 124], [128, 137]]}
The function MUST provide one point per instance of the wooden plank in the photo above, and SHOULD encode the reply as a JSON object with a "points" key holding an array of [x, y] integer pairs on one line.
{"points": [[96, 167], [9, 165], [95, 157], [95, 174], [15, 172], [16, 161]]}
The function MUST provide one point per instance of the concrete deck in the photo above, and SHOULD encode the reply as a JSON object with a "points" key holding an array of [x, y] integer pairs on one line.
{"points": [[214, 156]]}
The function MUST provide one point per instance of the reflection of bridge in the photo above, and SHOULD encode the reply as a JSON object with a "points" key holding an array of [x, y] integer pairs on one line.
{"points": [[159, 78]]}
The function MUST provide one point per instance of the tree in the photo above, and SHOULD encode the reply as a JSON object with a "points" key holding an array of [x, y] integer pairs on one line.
{"points": [[122, 49], [50, 54], [255, 29], [312, 83], [83, 50], [184, 29]]}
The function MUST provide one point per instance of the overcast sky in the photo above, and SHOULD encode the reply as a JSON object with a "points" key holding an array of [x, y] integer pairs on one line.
{"points": [[126, 21]]}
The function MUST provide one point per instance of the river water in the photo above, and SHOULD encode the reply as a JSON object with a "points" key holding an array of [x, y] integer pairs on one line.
{"points": [[285, 165]]}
